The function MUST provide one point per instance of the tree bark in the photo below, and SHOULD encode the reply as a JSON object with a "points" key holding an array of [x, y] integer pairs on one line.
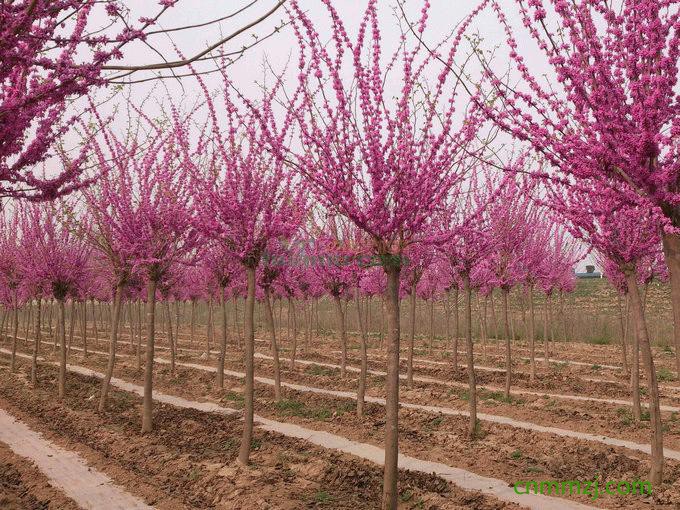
{"points": [[293, 351], [390, 494], [106, 382], [171, 339], [249, 341], [671, 247], [147, 422], [62, 360], [456, 329], [192, 326], [624, 357], [343, 334], [15, 333], [412, 335], [545, 333], [656, 473], [36, 344], [635, 368], [219, 381], [532, 333], [472, 390], [361, 391], [274, 345], [506, 334]]}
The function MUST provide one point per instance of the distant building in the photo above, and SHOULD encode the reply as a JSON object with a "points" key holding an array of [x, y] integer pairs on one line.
{"points": [[590, 273]]}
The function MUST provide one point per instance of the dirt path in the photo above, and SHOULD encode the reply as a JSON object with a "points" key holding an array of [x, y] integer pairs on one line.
{"points": [[66, 470], [460, 477], [492, 418]]}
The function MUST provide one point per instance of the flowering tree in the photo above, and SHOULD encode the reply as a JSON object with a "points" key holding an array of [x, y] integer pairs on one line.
{"points": [[143, 215], [610, 117], [12, 281], [50, 54], [627, 235], [385, 165], [59, 262], [243, 202]]}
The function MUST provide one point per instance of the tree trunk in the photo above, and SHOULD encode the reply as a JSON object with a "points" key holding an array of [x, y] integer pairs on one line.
{"points": [[246, 439], [210, 328], [192, 326], [71, 324], [545, 333], [635, 369], [671, 246], [472, 390], [293, 351], [624, 357], [456, 329], [62, 338], [223, 342], [94, 323], [147, 423], [361, 391], [139, 335], [431, 326], [36, 344], [274, 346], [171, 339], [532, 333], [656, 473], [15, 333], [506, 334], [390, 494], [343, 334], [106, 382], [412, 335]]}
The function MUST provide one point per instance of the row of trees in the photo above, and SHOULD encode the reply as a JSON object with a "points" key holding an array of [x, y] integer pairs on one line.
{"points": [[394, 175]]}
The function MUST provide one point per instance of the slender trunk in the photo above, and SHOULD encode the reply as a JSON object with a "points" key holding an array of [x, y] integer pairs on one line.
{"points": [[411, 339], [656, 473], [223, 342], [293, 351], [343, 334], [139, 336], [274, 345], [308, 336], [431, 326], [147, 423], [106, 382], [494, 318], [361, 391], [94, 323], [209, 331], [624, 357], [485, 326], [456, 329], [71, 324], [62, 338], [171, 339], [83, 326], [545, 333], [193, 322], [506, 334], [246, 439], [36, 344], [390, 494], [635, 368], [671, 246], [472, 386], [532, 333], [15, 334]]}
